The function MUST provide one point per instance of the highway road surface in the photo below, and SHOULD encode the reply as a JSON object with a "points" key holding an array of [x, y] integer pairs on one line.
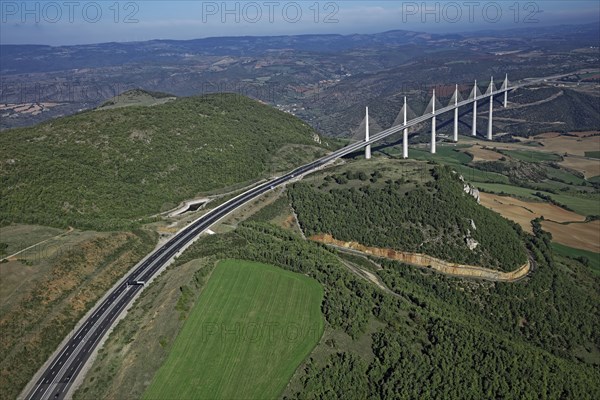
{"points": [[56, 380]]}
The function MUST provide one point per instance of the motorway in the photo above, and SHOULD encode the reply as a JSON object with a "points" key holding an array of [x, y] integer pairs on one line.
{"points": [[56, 380]]}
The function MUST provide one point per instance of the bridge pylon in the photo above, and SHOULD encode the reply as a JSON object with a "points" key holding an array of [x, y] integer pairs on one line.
{"points": [[405, 133], [367, 148], [505, 88], [433, 123], [402, 118], [474, 94], [456, 95], [490, 91]]}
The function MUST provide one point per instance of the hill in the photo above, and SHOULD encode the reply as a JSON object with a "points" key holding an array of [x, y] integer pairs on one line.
{"points": [[547, 109], [137, 97], [102, 169], [429, 214]]}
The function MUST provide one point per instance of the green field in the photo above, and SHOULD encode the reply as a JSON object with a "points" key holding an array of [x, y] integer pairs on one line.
{"points": [[566, 251], [531, 156], [251, 328], [444, 154], [564, 176], [592, 154]]}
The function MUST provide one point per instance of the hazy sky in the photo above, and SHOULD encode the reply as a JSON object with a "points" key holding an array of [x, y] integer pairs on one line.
{"points": [[76, 22]]}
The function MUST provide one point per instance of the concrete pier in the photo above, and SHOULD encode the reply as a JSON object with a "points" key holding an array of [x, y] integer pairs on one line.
{"points": [[456, 115], [474, 133], [367, 148], [405, 134], [433, 124], [506, 91], [491, 89]]}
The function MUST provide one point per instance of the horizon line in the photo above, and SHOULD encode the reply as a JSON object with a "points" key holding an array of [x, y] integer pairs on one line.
{"points": [[310, 34]]}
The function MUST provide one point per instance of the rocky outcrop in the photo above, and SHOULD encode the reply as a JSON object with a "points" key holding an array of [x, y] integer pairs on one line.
{"points": [[471, 243], [470, 190], [424, 260]]}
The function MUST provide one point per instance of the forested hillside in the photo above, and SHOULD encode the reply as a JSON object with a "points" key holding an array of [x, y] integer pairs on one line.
{"points": [[436, 218], [427, 335], [102, 169], [440, 337]]}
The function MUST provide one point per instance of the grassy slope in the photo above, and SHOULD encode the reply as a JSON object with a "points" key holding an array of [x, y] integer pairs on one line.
{"points": [[531, 156], [569, 252], [593, 154], [565, 176], [101, 169], [137, 97], [276, 311], [35, 319]]}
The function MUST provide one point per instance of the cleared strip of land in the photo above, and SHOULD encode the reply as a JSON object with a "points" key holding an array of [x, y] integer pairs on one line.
{"points": [[481, 153], [423, 260], [250, 329]]}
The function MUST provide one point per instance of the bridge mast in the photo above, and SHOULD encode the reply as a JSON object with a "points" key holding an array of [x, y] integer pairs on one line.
{"points": [[433, 124], [368, 148], [475, 109], [491, 89], [405, 134], [505, 91], [456, 114]]}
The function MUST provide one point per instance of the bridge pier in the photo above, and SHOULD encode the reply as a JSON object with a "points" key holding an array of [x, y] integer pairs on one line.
{"points": [[506, 91], [433, 124], [367, 148], [474, 133], [456, 115], [405, 134], [489, 132]]}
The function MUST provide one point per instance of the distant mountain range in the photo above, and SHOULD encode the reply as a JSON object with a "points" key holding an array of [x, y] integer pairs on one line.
{"points": [[326, 80], [41, 58]]}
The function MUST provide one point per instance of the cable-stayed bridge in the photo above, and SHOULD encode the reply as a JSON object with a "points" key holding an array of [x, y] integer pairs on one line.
{"points": [[432, 111], [55, 378]]}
